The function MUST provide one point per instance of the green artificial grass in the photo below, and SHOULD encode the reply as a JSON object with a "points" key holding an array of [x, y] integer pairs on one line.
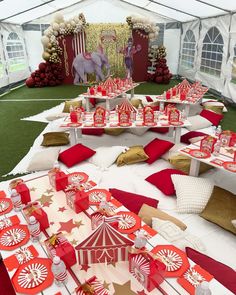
{"points": [[18, 136]]}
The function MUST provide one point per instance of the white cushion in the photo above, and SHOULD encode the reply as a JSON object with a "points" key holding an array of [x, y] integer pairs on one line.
{"points": [[196, 139], [234, 222], [190, 241], [139, 131], [56, 116], [43, 160], [106, 156], [195, 109], [215, 103], [167, 229], [192, 193], [198, 122]]}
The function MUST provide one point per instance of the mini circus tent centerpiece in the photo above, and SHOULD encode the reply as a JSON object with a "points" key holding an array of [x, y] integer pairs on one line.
{"points": [[127, 106], [110, 85], [105, 244]]}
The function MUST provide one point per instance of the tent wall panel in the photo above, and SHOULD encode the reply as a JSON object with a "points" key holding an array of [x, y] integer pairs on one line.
{"points": [[172, 44], [15, 53], [34, 48], [184, 70], [230, 71], [222, 23], [3, 74]]}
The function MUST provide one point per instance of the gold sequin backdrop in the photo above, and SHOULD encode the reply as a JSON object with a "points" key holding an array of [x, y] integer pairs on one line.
{"points": [[93, 39]]}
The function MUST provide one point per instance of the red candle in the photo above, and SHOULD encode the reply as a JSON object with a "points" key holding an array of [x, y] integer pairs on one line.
{"points": [[92, 91], [182, 96], [99, 89], [173, 91], [73, 117], [168, 94], [104, 92]]}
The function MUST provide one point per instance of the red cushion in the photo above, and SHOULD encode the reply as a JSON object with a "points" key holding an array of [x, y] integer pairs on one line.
{"points": [[162, 180], [191, 134], [159, 129], [75, 155], [221, 272], [155, 108], [93, 131], [149, 99], [5, 281], [92, 100], [132, 202], [156, 148], [213, 117]]}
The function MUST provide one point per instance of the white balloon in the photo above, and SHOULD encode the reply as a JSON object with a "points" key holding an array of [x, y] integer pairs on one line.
{"points": [[73, 23], [76, 19], [55, 26], [45, 40], [55, 33], [58, 17], [62, 25]]}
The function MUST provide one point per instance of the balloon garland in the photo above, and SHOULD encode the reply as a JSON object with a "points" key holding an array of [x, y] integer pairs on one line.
{"points": [[59, 28]]}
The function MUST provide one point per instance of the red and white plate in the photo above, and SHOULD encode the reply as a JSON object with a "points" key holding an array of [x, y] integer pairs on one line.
{"points": [[77, 177], [33, 277], [230, 166], [177, 123], [200, 154], [14, 237], [98, 195], [5, 205], [129, 222]]}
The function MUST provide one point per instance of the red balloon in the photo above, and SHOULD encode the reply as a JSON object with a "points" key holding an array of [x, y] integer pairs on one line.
{"points": [[30, 82]]}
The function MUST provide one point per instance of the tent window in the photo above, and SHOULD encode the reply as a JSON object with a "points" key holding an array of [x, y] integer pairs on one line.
{"points": [[188, 50], [212, 52], [1, 68], [233, 76], [15, 53]]}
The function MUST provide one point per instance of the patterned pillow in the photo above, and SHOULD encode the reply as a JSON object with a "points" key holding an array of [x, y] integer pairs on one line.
{"points": [[192, 193]]}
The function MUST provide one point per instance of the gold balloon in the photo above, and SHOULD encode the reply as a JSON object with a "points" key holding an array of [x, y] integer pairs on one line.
{"points": [[46, 55], [53, 49], [49, 45], [49, 50]]}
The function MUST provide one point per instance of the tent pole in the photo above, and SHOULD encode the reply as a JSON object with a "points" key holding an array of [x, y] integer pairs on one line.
{"points": [[180, 52]]}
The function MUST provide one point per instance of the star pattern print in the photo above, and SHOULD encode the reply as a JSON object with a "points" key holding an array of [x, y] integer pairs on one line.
{"points": [[141, 292], [74, 242], [32, 189], [106, 285], [85, 267], [48, 191], [124, 289], [79, 223], [111, 263], [45, 200], [67, 226], [61, 209]]}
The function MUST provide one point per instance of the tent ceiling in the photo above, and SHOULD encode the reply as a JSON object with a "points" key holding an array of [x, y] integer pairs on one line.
{"points": [[19, 12]]}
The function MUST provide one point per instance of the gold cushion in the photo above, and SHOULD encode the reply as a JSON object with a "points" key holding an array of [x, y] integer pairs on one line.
{"points": [[215, 109], [183, 163], [74, 104], [136, 102], [114, 131], [147, 212], [221, 209], [55, 139], [135, 154]]}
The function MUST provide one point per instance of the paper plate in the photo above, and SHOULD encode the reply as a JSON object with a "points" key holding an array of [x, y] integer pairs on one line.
{"points": [[98, 195], [179, 123], [129, 222], [33, 277], [77, 177], [14, 237], [199, 154], [5, 205], [230, 166]]}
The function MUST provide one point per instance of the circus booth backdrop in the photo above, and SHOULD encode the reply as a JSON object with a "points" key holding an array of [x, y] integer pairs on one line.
{"points": [[77, 53]]}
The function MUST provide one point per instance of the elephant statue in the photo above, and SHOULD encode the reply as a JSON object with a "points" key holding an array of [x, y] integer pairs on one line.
{"points": [[88, 63]]}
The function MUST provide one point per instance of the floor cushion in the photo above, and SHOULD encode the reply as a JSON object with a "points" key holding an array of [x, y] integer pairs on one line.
{"points": [[221, 272], [6, 287], [131, 201], [192, 193], [198, 122], [162, 180], [221, 209], [159, 129], [74, 104], [43, 160], [192, 136], [136, 102], [138, 131], [182, 162], [106, 156], [146, 213], [134, 154], [93, 131], [156, 148], [55, 139], [114, 131], [148, 98], [213, 105], [213, 117], [76, 154]]}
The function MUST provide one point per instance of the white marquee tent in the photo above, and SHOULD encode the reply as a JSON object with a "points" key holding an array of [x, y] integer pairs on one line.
{"points": [[200, 36]]}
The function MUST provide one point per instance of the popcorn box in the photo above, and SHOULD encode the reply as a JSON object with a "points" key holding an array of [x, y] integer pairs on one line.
{"points": [[148, 116], [58, 245], [98, 217], [99, 117], [20, 186], [124, 118], [174, 115], [148, 271], [77, 200], [35, 209], [207, 144], [92, 286]]}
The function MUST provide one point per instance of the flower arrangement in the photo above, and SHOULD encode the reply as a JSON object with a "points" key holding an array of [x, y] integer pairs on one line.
{"points": [[143, 24], [59, 28]]}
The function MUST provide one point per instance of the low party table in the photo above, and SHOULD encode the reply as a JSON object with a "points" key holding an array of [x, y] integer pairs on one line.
{"points": [[223, 161], [161, 122], [109, 97], [115, 278]]}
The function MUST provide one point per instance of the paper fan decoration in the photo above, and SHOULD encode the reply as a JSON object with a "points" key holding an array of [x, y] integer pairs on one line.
{"points": [[33, 277], [128, 222], [98, 195], [14, 237], [5, 205], [193, 277], [175, 260], [77, 177]]}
